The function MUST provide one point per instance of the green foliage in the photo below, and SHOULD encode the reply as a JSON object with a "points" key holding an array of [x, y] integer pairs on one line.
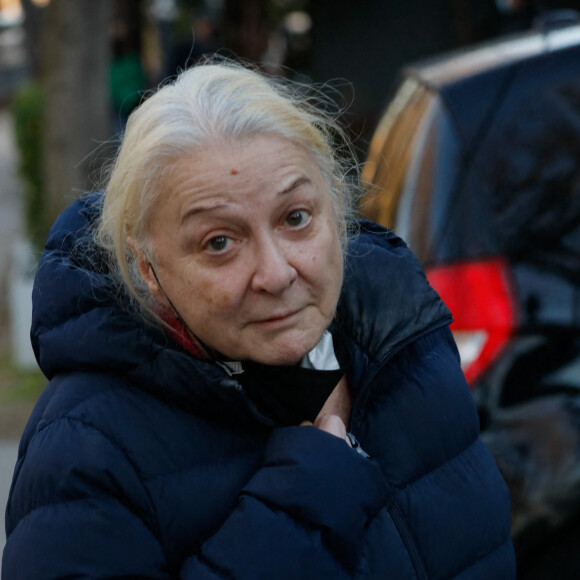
{"points": [[27, 107], [19, 391], [18, 384]]}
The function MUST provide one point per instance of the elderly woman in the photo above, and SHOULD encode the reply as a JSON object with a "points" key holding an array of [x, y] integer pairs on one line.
{"points": [[244, 382]]}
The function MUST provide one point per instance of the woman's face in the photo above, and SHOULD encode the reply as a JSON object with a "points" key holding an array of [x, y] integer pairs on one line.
{"points": [[247, 250]]}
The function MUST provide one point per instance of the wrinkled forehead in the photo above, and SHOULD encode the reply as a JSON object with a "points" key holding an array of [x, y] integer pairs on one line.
{"points": [[263, 163]]}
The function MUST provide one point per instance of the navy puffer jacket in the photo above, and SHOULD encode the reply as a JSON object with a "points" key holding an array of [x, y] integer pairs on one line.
{"points": [[142, 461]]}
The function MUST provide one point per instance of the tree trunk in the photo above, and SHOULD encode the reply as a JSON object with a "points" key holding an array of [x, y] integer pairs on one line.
{"points": [[77, 114], [33, 24]]}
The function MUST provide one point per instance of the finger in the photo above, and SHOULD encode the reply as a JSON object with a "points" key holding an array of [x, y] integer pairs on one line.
{"points": [[332, 424]]}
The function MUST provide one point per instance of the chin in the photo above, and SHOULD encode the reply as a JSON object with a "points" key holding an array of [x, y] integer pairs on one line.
{"points": [[284, 354], [281, 360]]}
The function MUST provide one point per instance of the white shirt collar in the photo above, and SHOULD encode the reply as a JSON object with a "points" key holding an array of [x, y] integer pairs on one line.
{"points": [[321, 358]]}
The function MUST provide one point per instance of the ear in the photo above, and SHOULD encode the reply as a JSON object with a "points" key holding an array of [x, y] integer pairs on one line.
{"points": [[146, 272]]}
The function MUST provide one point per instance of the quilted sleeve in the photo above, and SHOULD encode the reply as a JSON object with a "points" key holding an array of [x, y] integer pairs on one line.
{"points": [[303, 515], [82, 512], [76, 510]]}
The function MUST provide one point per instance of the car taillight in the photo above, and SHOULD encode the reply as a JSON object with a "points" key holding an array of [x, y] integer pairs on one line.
{"points": [[480, 297]]}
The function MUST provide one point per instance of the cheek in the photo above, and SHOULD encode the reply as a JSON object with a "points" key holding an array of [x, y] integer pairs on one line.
{"points": [[324, 266], [211, 299], [335, 268], [333, 254], [215, 297]]}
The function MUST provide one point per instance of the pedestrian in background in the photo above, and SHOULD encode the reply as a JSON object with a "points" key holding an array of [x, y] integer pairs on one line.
{"points": [[127, 79]]}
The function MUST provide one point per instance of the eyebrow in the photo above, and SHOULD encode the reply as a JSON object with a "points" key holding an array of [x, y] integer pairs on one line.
{"points": [[298, 182], [200, 209]]}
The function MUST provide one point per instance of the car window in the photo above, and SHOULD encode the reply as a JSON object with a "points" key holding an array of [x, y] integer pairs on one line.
{"points": [[391, 152], [534, 191], [411, 169]]}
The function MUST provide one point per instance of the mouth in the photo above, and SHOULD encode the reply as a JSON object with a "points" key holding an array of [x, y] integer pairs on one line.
{"points": [[279, 320]]}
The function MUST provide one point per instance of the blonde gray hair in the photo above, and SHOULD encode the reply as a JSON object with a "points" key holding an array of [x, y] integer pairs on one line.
{"points": [[212, 103]]}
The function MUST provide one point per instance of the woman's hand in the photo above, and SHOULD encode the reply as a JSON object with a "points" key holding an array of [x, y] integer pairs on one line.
{"points": [[332, 424], [335, 412]]}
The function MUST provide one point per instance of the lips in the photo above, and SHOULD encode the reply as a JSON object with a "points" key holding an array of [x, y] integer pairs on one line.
{"points": [[279, 319]]}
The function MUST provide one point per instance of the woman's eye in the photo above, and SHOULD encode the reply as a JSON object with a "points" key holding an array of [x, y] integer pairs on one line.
{"points": [[219, 244], [297, 218]]}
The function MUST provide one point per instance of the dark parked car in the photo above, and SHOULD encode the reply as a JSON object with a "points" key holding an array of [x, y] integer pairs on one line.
{"points": [[476, 164]]}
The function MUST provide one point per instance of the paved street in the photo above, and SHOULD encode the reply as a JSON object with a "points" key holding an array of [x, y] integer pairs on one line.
{"points": [[8, 452], [10, 228]]}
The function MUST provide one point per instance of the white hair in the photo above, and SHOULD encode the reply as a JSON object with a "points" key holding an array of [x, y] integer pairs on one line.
{"points": [[212, 103]]}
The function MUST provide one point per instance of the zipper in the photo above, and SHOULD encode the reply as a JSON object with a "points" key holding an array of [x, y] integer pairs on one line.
{"points": [[408, 539], [355, 445]]}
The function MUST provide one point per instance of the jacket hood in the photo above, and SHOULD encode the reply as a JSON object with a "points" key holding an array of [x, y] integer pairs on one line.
{"points": [[386, 300]]}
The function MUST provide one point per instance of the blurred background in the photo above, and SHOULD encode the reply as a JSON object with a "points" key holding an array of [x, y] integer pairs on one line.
{"points": [[71, 72]]}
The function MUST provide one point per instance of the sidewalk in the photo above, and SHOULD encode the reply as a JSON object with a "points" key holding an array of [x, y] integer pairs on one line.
{"points": [[11, 222], [14, 415], [8, 452]]}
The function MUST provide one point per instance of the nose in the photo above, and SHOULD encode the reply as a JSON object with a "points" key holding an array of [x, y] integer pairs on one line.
{"points": [[273, 272]]}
